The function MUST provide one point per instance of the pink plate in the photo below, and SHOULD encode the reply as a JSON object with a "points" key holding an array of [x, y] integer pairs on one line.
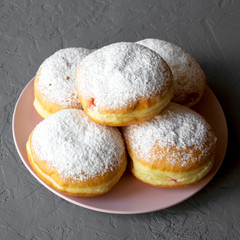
{"points": [[129, 196]]}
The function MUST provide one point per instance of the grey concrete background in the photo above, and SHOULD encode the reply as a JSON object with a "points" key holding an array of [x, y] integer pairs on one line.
{"points": [[31, 30]]}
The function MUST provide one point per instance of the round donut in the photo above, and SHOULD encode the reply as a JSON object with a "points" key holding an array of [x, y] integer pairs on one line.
{"points": [[55, 84], [189, 81], [174, 149], [123, 83], [76, 156]]}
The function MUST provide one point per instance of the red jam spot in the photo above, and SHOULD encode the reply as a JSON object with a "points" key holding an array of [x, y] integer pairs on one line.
{"points": [[91, 103], [174, 180]]}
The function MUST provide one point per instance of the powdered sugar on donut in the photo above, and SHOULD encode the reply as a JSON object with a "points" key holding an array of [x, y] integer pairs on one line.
{"points": [[176, 126], [57, 76], [76, 146], [119, 75], [188, 77]]}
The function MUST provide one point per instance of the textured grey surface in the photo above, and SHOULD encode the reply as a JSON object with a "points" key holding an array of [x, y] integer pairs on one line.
{"points": [[32, 30]]}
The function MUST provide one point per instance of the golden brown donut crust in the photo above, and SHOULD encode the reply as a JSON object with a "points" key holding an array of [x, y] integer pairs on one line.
{"points": [[189, 80], [128, 90], [166, 164], [76, 156], [54, 83], [42, 168], [143, 110], [163, 152], [44, 106]]}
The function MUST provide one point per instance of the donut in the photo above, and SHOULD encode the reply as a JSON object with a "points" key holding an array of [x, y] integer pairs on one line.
{"points": [[123, 83], [174, 149], [55, 84], [189, 81], [76, 156]]}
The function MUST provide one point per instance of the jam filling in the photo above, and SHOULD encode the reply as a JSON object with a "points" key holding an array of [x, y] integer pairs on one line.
{"points": [[174, 180], [91, 103]]}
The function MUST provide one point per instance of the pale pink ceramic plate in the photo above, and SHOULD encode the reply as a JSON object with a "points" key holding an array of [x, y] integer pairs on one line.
{"points": [[129, 196]]}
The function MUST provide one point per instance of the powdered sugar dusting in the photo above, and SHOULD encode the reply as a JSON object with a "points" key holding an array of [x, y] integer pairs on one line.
{"points": [[188, 78], [76, 146], [120, 74], [57, 76], [175, 126]]}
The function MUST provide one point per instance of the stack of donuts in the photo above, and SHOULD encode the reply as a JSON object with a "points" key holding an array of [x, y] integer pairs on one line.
{"points": [[123, 99]]}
